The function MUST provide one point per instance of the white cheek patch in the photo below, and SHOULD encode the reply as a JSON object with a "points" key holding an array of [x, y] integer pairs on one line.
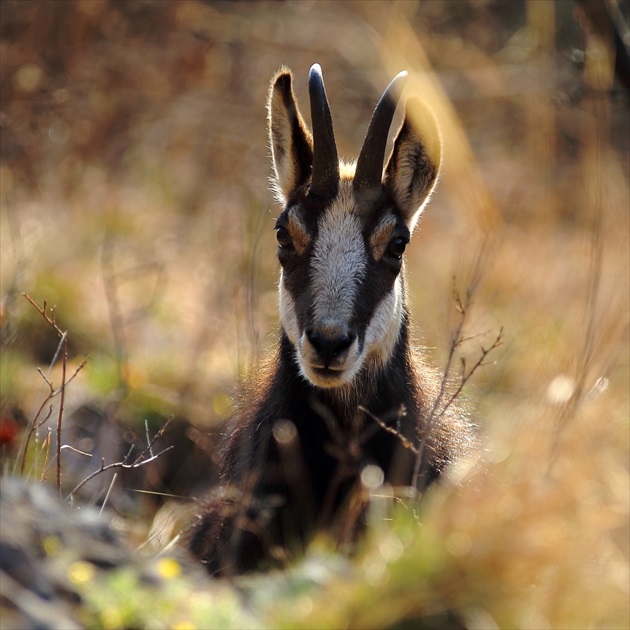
{"points": [[288, 316], [338, 263], [382, 333]]}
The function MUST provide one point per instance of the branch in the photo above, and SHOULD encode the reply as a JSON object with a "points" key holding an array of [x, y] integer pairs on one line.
{"points": [[123, 464], [64, 362], [405, 442], [62, 349], [42, 312], [465, 377], [462, 307], [34, 424]]}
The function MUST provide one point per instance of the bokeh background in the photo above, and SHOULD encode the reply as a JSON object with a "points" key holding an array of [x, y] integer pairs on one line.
{"points": [[135, 201]]}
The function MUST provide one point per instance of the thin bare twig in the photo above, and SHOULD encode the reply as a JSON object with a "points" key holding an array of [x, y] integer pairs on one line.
{"points": [[42, 310], [35, 422], [50, 385], [457, 339], [62, 349], [405, 442], [465, 377], [75, 450], [138, 462], [148, 436], [46, 445], [109, 490], [463, 306], [123, 465], [62, 399]]}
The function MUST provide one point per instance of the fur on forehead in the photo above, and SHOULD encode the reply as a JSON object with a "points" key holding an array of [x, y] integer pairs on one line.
{"points": [[375, 217]]}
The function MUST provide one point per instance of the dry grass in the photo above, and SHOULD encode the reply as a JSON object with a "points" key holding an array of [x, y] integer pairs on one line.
{"points": [[134, 199]]}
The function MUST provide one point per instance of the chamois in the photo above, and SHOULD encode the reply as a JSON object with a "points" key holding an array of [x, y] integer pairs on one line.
{"points": [[344, 389]]}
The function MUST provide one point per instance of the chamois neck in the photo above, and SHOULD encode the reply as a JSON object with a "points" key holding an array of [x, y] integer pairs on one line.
{"points": [[382, 386]]}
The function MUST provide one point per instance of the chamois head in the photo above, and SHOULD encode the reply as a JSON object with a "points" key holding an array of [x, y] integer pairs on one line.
{"points": [[344, 228]]}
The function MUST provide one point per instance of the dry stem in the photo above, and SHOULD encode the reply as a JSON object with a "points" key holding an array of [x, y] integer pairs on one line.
{"points": [[140, 461], [62, 349], [458, 338]]}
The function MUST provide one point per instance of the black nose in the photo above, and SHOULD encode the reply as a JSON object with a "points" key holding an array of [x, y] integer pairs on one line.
{"points": [[330, 347]]}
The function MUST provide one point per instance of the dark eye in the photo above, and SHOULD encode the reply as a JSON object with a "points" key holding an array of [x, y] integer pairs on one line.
{"points": [[396, 247], [284, 238]]}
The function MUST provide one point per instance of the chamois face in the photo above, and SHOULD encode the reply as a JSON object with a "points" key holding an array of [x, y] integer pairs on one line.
{"points": [[344, 229]]}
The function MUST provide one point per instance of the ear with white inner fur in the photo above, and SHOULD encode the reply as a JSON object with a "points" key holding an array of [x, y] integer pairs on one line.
{"points": [[290, 138], [413, 167]]}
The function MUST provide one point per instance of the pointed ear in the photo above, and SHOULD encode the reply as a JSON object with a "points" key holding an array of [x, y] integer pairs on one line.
{"points": [[413, 167], [290, 139]]}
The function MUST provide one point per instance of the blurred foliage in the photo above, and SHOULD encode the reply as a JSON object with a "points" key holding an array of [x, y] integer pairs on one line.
{"points": [[134, 200]]}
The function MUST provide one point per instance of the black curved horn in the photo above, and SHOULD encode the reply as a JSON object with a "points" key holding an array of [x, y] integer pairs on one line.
{"points": [[369, 171], [325, 180]]}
